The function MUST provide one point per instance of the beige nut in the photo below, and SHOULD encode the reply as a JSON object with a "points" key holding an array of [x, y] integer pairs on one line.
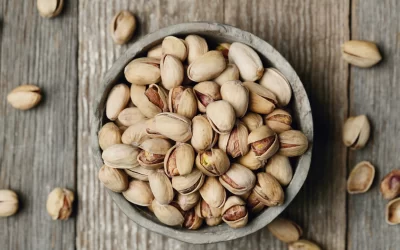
{"points": [[261, 100], [173, 126], [251, 161], [109, 135], [263, 142], [8, 202], [150, 100], [139, 193], [356, 132], [393, 212], [59, 203], [139, 173], [213, 162], [363, 54], [192, 220], [135, 134], [24, 97], [238, 179], [170, 215], [121, 156], [235, 213], [247, 60], [182, 101], [268, 190], [361, 178], [155, 52], [279, 120], [190, 183], [285, 230], [303, 245], [153, 153], [252, 121], [204, 137], [206, 93], [122, 27], [130, 116], [237, 95], [221, 116], [114, 179], [143, 71], [235, 143], [213, 192], [279, 167], [49, 8], [175, 46], [207, 67], [161, 187], [231, 73], [187, 201], [277, 83], [292, 143], [117, 100], [197, 46], [172, 72], [179, 160], [390, 185]]}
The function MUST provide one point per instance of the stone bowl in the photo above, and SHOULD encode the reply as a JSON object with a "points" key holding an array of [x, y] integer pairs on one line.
{"points": [[301, 111]]}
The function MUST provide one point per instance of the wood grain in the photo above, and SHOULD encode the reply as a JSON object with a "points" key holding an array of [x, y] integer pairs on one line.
{"points": [[376, 92], [38, 147]]}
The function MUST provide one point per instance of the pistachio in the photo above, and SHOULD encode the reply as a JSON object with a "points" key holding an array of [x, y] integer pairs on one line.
{"points": [[161, 187], [254, 205], [189, 201], [276, 82], [213, 162], [285, 230], [175, 46], [221, 116], [292, 143], [24, 97], [235, 212], [109, 135], [130, 116], [139, 173], [153, 153], [197, 46], [251, 161], [170, 215], [139, 193], [363, 54], [172, 126], [238, 179], [121, 156], [122, 27], [171, 72], [179, 160], [390, 185], [114, 179], [143, 71], [59, 203], [206, 93], [279, 120], [117, 100], [247, 60], [235, 143], [356, 132], [224, 48], [303, 245], [135, 134], [155, 52], [262, 100], [252, 121], [268, 190], [213, 192], [231, 73], [360, 178], [8, 202], [212, 215], [237, 95], [192, 220], [264, 142], [207, 67], [190, 183], [204, 136], [182, 101], [393, 212], [279, 167], [213, 221], [150, 100], [49, 8]]}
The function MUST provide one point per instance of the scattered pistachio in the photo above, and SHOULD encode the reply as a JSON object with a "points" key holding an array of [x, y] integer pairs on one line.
{"points": [[122, 27], [49, 8], [285, 230], [393, 212], [59, 203], [361, 178], [363, 54], [303, 245], [356, 132], [24, 97], [8, 202], [390, 185]]}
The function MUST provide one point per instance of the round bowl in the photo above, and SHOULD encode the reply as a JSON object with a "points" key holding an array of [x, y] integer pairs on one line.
{"points": [[300, 106]]}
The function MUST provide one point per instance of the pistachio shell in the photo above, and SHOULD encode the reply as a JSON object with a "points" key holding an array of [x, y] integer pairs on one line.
{"points": [[24, 97], [51, 8], [206, 93], [292, 143], [204, 210], [262, 100], [285, 230], [155, 52], [213, 162], [279, 167], [207, 67], [8, 202], [235, 143], [363, 54], [213, 192], [303, 245], [135, 134], [361, 178], [109, 135], [192, 221], [238, 179], [153, 153], [197, 46], [189, 201], [122, 27], [276, 82], [143, 71], [279, 120], [168, 214], [214, 221], [235, 212], [204, 136], [174, 46], [237, 95], [139, 173], [393, 212], [190, 183], [356, 132], [171, 125], [268, 190], [264, 142], [252, 121], [250, 161], [247, 60], [139, 193], [224, 48], [254, 205], [179, 160], [130, 116], [221, 116], [390, 185], [171, 72], [114, 179], [59, 203], [231, 73], [182, 101], [161, 187], [117, 100], [121, 156], [150, 100]]}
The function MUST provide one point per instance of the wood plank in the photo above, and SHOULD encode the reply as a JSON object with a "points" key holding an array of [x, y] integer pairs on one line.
{"points": [[38, 147], [376, 92]]}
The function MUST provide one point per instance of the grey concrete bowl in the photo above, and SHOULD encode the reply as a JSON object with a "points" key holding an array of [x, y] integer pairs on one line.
{"points": [[301, 110]]}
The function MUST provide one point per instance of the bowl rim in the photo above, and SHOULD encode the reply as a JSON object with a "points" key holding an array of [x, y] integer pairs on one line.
{"points": [[301, 103]]}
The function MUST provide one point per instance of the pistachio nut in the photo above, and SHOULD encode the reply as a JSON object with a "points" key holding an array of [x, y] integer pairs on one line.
{"points": [[172, 72], [135, 134], [303, 245], [254, 205], [150, 100], [213, 162], [109, 135], [139, 193], [173, 126], [213, 192], [238, 179], [268, 190], [231, 73], [206, 93], [204, 137], [251, 161], [117, 100], [363, 54], [49, 8], [170, 215], [276, 82], [207, 66], [356, 132], [224, 48], [139, 173], [360, 178], [221, 116], [179, 160], [235, 143], [130, 116], [285, 230], [155, 52], [252, 121], [8, 202], [264, 142], [192, 220], [390, 185], [247, 60], [187, 202], [279, 167], [153, 153], [24, 97], [190, 183], [161, 187], [213, 221], [114, 179], [197, 46], [204, 210], [292, 143], [59, 203], [393, 212], [279, 120], [143, 71], [175, 46], [122, 27], [237, 95], [121, 156], [262, 100], [182, 101], [235, 212]]}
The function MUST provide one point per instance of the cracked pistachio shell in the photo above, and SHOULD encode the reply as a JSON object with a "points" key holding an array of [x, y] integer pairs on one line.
{"points": [[237, 95], [276, 82], [206, 93], [155, 52], [175, 46], [261, 100], [213, 162], [356, 132], [153, 153], [59, 203], [197, 46], [117, 100], [207, 67], [213, 192], [363, 54], [221, 116], [360, 178], [172, 72], [187, 202], [109, 135], [235, 143], [143, 71], [263, 142], [122, 27], [114, 179], [8, 202], [182, 101], [139, 173], [292, 143], [161, 187], [231, 73], [238, 179], [130, 116], [168, 214], [24, 97], [285, 230], [173, 126], [49, 8], [279, 167], [247, 60], [252, 121], [268, 190], [179, 160], [139, 193], [135, 134], [254, 205], [204, 137], [235, 213], [204, 210], [190, 183], [279, 120], [121, 156], [393, 212], [390, 185], [192, 220], [303, 245], [150, 100], [250, 161]]}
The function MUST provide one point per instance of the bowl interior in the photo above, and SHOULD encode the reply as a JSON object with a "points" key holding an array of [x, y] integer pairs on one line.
{"points": [[300, 106]]}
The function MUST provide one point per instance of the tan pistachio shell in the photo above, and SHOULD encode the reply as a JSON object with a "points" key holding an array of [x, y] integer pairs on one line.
{"points": [[213, 192], [356, 131], [114, 179], [175, 46], [390, 185], [264, 142], [206, 93], [279, 120], [277, 83], [143, 71], [121, 156], [237, 95], [214, 221], [235, 143], [213, 162], [303, 245], [207, 66], [130, 116], [172, 72], [235, 212], [363, 54], [204, 137], [204, 210], [238, 179], [190, 183], [221, 116], [254, 205], [361, 178], [122, 27], [179, 160], [192, 220], [109, 135], [135, 134], [48, 8], [155, 52], [182, 100], [279, 167], [24, 97], [197, 46], [117, 100], [247, 60], [268, 190], [168, 214], [250, 161], [173, 126], [261, 100], [292, 143], [153, 153], [161, 187], [189, 201], [139, 173], [285, 230], [150, 100], [59, 203], [139, 193], [231, 73], [9, 202], [252, 121], [393, 212]]}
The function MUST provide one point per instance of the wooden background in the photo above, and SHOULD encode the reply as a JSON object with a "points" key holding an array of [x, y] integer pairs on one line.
{"points": [[68, 55]]}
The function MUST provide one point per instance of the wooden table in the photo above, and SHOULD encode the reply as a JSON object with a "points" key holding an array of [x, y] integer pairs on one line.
{"points": [[68, 55]]}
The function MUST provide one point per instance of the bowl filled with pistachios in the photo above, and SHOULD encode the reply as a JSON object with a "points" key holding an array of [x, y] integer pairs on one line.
{"points": [[202, 132]]}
